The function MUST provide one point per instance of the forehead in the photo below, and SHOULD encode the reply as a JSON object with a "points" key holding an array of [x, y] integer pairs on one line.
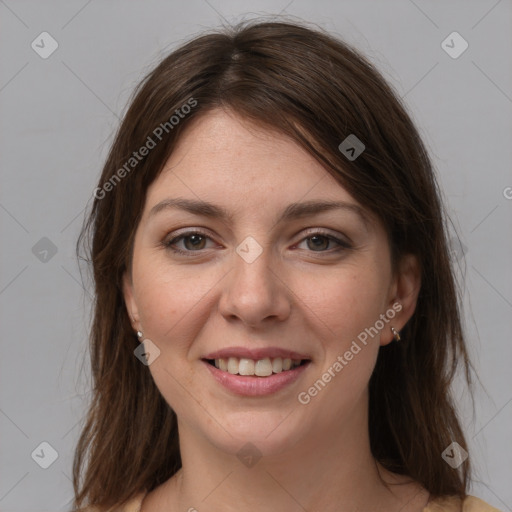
{"points": [[221, 153]]}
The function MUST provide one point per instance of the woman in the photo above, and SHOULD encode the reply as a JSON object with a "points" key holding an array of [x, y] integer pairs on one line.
{"points": [[277, 320]]}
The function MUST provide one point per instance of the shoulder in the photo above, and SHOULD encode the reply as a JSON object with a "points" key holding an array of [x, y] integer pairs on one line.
{"points": [[132, 505], [455, 504]]}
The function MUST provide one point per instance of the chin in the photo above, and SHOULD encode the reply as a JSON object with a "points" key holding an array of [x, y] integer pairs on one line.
{"points": [[265, 432]]}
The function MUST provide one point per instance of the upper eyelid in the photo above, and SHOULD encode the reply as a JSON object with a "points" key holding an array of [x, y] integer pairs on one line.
{"points": [[207, 232], [309, 232]]}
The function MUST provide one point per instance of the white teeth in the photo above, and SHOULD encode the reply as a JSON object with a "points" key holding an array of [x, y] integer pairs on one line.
{"points": [[261, 367], [233, 365], [246, 367], [277, 365]]}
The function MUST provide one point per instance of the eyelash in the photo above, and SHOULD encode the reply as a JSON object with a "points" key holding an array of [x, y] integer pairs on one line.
{"points": [[343, 246]]}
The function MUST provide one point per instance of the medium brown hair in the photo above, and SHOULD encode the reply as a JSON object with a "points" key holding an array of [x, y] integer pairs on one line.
{"points": [[312, 87]]}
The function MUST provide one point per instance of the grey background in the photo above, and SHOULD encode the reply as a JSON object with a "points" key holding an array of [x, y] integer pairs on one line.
{"points": [[57, 120]]}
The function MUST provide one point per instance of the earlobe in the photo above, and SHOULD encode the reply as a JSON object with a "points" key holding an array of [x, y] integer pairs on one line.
{"points": [[129, 301]]}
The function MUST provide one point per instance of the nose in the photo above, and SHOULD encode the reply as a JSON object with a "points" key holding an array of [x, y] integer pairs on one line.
{"points": [[254, 292]]}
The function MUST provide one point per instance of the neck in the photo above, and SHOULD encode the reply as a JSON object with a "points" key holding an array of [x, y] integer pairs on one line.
{"points": [[329, 471]]}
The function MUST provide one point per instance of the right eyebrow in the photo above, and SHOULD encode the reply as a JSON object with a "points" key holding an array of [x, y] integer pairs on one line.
{"points": [[292, 211]]}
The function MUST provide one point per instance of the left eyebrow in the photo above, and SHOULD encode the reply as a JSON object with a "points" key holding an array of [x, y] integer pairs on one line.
{"points": [[292, 211]]}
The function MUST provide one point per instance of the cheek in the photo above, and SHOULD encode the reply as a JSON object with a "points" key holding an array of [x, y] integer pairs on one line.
{"points": [[171, 300], [336, 387], [344, 308], [343, 302]]}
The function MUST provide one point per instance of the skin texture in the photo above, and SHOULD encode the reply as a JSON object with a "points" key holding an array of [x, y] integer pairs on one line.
{"points": [[300, 293]]}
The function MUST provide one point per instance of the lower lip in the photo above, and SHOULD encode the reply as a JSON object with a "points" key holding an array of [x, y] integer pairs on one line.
{"points": [[256, 386]]}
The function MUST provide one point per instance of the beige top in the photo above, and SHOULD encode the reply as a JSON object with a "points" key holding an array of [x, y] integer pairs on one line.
{"points": [[446, 504]]}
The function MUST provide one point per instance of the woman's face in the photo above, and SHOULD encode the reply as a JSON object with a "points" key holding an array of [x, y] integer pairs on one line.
{"points": [[263, 276]]}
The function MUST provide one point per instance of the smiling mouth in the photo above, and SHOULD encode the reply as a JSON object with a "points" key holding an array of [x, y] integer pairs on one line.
{"points": [[259, 368]]}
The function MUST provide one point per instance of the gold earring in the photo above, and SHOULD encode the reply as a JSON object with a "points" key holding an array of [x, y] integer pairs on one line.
{"points": [[396, 335]]}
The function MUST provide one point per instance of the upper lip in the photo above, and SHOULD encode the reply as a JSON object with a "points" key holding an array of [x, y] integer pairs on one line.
{"points": [[255, 353]]}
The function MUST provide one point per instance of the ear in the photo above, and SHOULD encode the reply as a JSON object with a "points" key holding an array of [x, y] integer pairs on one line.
{"points": [[129, 300], [404, 293]]}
